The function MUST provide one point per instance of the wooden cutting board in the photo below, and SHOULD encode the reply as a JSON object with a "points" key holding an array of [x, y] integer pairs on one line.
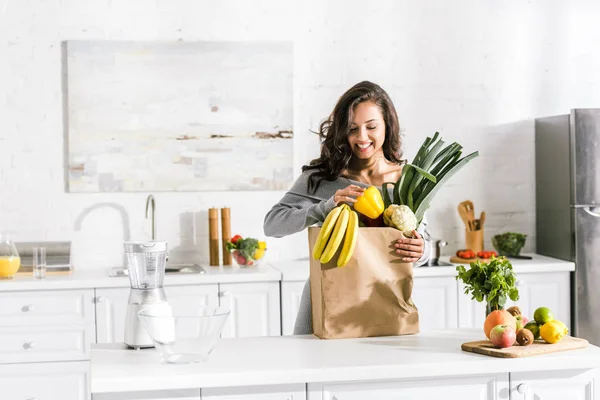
{"points": [[538, 347], [458, 260]]}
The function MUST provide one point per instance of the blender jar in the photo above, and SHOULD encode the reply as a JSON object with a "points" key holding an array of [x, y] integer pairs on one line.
{"points": [[146, 263], [10, 261]]}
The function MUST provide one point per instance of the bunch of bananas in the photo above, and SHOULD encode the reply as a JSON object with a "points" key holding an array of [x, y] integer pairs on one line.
{"points": [[340, 224]]}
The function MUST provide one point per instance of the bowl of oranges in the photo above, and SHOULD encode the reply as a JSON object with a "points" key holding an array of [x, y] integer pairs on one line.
{"points": [[246, 252]]}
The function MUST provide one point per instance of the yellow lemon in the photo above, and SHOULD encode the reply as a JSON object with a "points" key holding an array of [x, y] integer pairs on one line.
{"points": [[562, 325], [552, 332], [262, 245], [258, 253]]}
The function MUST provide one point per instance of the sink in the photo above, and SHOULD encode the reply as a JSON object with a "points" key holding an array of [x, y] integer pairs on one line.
{"points": [[184, 269], [171, 269]]}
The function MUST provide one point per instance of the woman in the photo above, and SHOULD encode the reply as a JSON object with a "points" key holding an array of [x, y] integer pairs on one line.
{"points": [[361, 148]]}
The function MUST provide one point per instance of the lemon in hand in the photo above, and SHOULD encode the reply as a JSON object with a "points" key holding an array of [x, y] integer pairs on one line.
{"points": [[552, 332]]}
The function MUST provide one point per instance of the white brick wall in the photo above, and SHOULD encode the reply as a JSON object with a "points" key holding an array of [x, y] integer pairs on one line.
{"points": [[478, 71]]}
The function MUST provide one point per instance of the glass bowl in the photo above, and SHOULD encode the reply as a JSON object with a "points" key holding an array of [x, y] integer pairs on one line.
{"points": [[184, 335], [243, 260]]}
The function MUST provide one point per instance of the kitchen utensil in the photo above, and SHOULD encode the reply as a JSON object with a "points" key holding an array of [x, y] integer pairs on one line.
{"points": [[482, 220], [474, 240], [436, 251], [183, 336], [146, 269], [10, 261], [519, 257], [538, 347], [470, 213], [462, 211]]}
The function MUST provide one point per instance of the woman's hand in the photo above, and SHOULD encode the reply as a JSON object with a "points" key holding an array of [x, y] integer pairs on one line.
{"points": [[410, 249], [348, 194]]}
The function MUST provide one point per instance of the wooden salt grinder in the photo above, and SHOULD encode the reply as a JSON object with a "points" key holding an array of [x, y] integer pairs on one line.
{"points": [[213, 236]]}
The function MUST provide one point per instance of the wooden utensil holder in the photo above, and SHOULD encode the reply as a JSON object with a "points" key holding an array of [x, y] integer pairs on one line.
{"points": [[474, 240]]}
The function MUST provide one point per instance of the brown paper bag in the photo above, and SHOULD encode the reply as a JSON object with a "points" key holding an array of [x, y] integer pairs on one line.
{"points": [[369, 296]]}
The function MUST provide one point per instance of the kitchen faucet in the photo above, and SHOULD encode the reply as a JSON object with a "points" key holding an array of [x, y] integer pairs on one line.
{"points": [[150, 202]]}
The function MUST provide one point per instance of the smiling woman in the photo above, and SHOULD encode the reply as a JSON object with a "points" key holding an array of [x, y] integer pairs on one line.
{"points": [[360, 148]]}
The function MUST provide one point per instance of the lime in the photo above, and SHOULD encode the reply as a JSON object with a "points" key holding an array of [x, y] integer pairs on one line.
{"points": [[543, 315], [534, 328], [552, 332]]}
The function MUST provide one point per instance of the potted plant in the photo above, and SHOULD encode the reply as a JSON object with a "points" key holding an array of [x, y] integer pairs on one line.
{"points": [[492, 282]]}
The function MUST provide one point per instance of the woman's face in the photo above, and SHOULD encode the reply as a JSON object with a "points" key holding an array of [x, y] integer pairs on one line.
{"points": [[367, 132]]}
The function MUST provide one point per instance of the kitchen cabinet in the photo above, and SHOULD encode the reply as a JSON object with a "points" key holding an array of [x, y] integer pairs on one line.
{"points": [[45, 381], [111, 307], [45, 326], [255, 309], [555, 385], [274, 392], [551, 289], [477, 387], [291, 293], [436, 299]]}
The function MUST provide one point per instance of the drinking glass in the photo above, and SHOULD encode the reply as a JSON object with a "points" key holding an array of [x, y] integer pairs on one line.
{"points": [[39, 262]]}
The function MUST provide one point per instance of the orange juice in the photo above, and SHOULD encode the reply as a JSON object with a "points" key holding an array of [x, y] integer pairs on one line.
{"points": [[9, 266]]}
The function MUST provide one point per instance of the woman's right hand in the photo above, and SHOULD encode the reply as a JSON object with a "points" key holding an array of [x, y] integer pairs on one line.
{"points": [[348, 194]]}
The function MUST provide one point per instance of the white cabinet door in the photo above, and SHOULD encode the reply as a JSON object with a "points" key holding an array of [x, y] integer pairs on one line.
{"points": [[254, 309], [436, 299], [555, 385], [471, 313], [545, 289], [183, 394], [478, 387], [550, 289], [45, 381], [111, 307], [291, 292], [294, 391]]}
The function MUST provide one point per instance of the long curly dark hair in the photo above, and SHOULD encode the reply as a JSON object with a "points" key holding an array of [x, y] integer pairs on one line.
{"points": [[335, 149]]}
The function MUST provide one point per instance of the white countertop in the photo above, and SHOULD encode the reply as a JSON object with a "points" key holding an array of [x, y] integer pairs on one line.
{"points": [[307, 359], [298, 270], [99, 278], [292, 270]]}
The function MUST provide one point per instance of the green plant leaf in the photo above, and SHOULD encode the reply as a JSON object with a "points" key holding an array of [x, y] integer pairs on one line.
{"points": [[386, 194], [425, 202]]}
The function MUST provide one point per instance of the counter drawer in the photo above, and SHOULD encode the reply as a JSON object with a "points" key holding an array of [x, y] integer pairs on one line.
{"points": [[35, 344], [46, 381], [56, 307]]}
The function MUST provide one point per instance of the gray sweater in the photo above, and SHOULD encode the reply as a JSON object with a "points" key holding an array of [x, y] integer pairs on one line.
{"points": [[298, 210]]}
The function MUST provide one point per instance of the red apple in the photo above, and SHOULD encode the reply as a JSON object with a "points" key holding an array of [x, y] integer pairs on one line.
{"points": [[503, 336]]}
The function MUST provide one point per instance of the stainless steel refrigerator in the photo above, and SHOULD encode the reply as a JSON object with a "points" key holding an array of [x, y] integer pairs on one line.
{"points": [[567, 163]]}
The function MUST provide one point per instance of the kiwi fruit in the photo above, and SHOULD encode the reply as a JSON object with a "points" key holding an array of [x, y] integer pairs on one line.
{"points": [[514, 311], [524, 337]]}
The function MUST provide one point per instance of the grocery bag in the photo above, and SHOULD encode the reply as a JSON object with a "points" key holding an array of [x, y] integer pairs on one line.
{"points": [[369, 296]]}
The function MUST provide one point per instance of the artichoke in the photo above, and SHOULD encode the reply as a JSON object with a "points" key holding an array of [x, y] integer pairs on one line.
{"points": [[400, 217]]}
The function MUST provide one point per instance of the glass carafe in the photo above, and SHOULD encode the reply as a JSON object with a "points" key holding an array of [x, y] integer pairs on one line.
{"points": [[146, 263], [10, 262]]}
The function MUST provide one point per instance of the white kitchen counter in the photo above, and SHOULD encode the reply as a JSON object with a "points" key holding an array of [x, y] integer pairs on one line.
{"points": [[298, 270], [98, 278], [307, 359]]}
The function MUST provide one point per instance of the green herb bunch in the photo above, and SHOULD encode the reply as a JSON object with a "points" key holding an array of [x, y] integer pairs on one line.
{"points": [[493, 281]]}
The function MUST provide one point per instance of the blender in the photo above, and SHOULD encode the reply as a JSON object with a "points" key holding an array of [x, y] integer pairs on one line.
{"points": [[146, 264]]}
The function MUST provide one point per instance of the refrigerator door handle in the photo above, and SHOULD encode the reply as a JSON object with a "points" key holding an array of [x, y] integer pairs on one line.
{"points": [[593, 211]]}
